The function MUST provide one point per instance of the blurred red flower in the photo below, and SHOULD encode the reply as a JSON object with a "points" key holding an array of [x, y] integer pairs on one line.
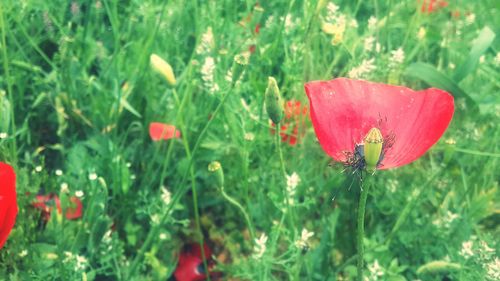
{"points": [[8, 201], [46, 203], [429, 6], [293, 125], [190, 266], [160, 131], [344, 110]]}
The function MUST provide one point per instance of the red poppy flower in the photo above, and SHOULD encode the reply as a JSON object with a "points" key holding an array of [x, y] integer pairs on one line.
{"points": [[429, 6], [161, 131], [46, 203], [8, 201], [343, 111], [190, 266], [293, 124]]}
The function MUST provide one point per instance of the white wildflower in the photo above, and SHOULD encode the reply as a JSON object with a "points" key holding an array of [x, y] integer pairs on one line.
{"points": [[301, 243], [269, 22], [163, 236], [64, 188], [365, 67], [3, 135], [260, 246], [497, 59], [106, 238], [38, 169], [368, 43], [493, 269], [375, 270], [68, 256], [397, 57], [207, 75], [166, 196], [353, 23], [23, 253], [392, 185], [292, 181], [372, 23], [289, 24], [206, 43], [446, 220], [59, 172], [470, 19], [249, 136], [466, 250], [155, 219], [481, 59], [79, 193], [81, 263], [331, 11], [485, 252], [92, 176], [451, 65]]}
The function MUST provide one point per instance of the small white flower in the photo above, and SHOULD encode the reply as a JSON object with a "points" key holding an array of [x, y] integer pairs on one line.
{"points": [[375, 270], [68, 256], [397, 57], [64, 188], [392, 185], [331, 10], [23, 253], [132, 177], [92, 176], [106, 238], [79, 193], [493, 269], [451, 65], [353, 23], [207, 75], [466, 250], [372, 23], [128, 164], [269, 21], [81, 263], [3, 135], [38, 169], [166, 196], [365, 67], [481, 59], [249, 136], [497, 59], [163, 236], [469, 19], [292, 181], [304, 237], [59, 172], [206, 42], [260, 246], [155, 219], [368, 43]]}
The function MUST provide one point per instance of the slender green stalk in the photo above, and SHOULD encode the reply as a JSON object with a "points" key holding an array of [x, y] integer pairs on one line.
{"points": [[361, 228], [283, 169], [245, 214]]}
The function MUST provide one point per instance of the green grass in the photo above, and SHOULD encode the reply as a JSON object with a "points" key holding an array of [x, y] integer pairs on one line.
{"points": [[77, 93]]}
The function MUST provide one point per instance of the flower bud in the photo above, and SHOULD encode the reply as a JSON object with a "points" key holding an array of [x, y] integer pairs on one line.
{"points": [[274, 104], [163, 68], [373, 149], [216, 168], [240, 61]]}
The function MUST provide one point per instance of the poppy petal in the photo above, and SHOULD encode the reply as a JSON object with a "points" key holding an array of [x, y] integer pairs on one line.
{"points": [[8, 203], [160, 131], [344, 110]]}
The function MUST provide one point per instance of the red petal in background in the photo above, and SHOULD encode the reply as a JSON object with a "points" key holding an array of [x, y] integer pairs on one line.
{"points": [[8, 203], [344, 110], [161, 131]]}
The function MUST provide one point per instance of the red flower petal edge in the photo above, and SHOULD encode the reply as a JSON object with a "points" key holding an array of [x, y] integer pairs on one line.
{"points": [[160, 131], [45, 203], [344, 110], [8, 201]]}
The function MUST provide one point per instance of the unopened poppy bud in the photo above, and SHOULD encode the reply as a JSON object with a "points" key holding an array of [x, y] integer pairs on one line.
{"points": [[216, 168], [162, 67], [438, 267], [373, 149], [240, 61], [274, 104]]}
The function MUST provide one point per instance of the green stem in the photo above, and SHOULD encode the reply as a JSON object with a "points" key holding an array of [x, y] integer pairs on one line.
{"points": [[245, 214], [361, 228], [283, 169]]}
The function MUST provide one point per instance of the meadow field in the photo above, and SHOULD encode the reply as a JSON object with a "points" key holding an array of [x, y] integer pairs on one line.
{"points": [[175, 140]]}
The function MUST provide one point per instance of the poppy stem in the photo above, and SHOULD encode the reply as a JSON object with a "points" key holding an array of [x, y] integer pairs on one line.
{"points": [[240, 207], [361, 227]]}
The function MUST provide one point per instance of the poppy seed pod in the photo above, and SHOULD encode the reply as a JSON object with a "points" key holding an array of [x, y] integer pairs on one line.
{"points": [[162, 67], [274, 104], [373, 149], [216, 168]]}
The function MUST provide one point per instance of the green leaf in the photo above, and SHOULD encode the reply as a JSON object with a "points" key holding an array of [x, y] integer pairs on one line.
{"points": [[434, 78], [479, 46]]}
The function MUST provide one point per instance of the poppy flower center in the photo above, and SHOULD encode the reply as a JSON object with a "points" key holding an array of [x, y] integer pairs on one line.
{"points": [[373, 148]]}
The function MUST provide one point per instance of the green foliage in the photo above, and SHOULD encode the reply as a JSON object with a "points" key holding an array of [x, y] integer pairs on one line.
{"points": [[77, 95]]}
